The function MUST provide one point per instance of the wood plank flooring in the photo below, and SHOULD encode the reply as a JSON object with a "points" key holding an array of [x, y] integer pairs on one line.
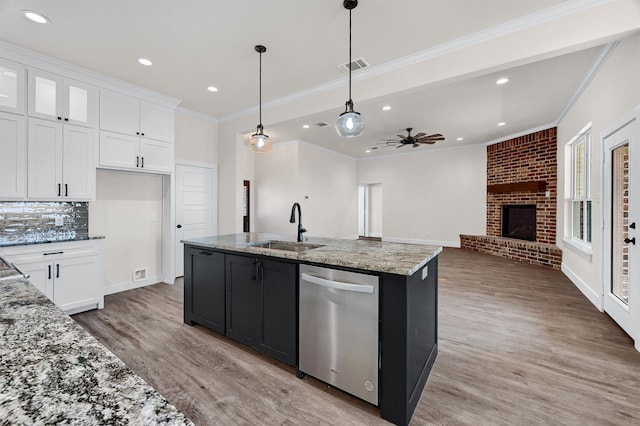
{"points": [[518, 345]]}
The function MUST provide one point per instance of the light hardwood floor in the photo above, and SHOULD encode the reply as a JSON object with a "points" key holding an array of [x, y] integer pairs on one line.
{"points": [[518, 345]]}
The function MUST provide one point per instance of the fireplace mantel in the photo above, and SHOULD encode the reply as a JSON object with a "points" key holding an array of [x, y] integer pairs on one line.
{"points": [[528, 186]]}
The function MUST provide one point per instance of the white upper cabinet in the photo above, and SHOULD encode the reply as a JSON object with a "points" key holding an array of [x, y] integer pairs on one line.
{"points": [[134, 117], [13, 156], [60, 161], [57, 98], [12, 94]]}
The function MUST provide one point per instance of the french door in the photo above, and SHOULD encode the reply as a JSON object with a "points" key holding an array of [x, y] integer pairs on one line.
{"points": [[622, 225]]}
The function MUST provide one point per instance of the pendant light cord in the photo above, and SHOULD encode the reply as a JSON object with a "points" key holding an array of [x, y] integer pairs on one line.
{"points": [[260, 90], [350, 65]]}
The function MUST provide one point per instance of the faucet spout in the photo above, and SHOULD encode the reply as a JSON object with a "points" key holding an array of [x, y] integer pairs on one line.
{"points": [[293, 220]]}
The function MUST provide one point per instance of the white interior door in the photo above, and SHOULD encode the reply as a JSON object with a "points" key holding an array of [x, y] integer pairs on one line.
{"points": [[363, 210], [621, 233], [195, 206]]}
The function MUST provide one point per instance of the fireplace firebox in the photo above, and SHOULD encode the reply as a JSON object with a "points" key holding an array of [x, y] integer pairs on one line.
{"points": [[519, 221]]}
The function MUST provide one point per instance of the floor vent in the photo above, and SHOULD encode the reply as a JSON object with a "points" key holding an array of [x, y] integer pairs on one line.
{"points": [[356, 64], [140, 274]]}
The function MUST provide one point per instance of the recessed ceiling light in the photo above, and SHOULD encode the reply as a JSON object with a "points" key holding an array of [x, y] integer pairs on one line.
{"points": [[368, 151], [386, 108], [502, 80], [212, 89], [502, 123], [10, 74], [35, 17], [2, 95], [305, 126], [460, 139], [145, 62]]}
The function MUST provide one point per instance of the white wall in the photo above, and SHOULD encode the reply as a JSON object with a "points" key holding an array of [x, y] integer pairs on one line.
{"points": [[125, 203], [323, 182], [430, 196], [375, 210], [614, 91], [196, 138]]}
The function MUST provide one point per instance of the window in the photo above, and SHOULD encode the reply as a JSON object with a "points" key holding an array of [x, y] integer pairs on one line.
{"points": [[580, 188]]}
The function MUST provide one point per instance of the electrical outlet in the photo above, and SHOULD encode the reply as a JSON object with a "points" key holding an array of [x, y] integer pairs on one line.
{"points": [[59, 221]]}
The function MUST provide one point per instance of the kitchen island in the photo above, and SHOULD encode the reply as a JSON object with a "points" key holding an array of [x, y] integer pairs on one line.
{"points": [[53, 372], [247, 286]]}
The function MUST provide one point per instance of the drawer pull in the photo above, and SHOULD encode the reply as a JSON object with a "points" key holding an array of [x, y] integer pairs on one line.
{"points": [[205, 253], [52, 252]]}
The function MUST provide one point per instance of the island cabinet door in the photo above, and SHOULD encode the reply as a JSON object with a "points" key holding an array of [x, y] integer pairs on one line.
{"points": [[277, 310], [205, 288], [242, 285]]}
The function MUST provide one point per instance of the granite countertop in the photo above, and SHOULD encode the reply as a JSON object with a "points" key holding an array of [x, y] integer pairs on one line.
{"points": [[52, 371], [376, 256], [48, 239]]}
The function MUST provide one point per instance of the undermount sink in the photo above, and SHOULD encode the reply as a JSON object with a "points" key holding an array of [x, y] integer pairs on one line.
{"points": [[286, 246]]}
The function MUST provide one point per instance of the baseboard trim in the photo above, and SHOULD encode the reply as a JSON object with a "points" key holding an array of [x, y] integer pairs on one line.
{"points": [[455, 244], [130, 285], [588, 292]]}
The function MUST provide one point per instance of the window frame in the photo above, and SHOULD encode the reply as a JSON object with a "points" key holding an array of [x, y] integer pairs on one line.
{"points": [[583, 235]]}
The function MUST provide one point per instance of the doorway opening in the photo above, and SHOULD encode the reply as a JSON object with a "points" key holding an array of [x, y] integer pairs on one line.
{"points": [[370, 211]]}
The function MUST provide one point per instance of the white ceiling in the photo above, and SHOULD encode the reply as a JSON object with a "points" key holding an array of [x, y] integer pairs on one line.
{"points": [[197, 43]]}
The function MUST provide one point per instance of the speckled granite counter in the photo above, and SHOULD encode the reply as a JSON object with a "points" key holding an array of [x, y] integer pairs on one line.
{"points": [[54, 372], [393, 258], [47, 240]]}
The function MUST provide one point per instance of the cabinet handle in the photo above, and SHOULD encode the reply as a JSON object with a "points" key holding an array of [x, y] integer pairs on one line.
{"points": [[52, 252], [138, 133], [66, 119], [254, 270], [142, 134], [66, 190], [49, 266], [57, 270], [59, 118], [59, 190], [142, 162], [137, 161]]}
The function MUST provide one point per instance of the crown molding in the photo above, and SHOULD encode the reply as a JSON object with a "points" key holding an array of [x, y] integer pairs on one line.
{"points": [[33, 59], [550, 14], [522, 133]]}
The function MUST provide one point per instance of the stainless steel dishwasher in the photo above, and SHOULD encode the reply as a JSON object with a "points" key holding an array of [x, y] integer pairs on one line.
{"points": [[338, 329]]}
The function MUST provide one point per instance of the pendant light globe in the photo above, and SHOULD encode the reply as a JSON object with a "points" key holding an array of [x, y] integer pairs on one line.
{"points": [[259, 142], [350, 123]]}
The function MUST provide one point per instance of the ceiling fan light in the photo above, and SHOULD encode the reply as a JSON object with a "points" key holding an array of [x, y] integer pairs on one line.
{"points": [[350, 124]]}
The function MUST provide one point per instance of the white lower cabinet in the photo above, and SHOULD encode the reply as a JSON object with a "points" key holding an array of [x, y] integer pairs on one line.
{"points": [[70, 274], [124, 152]]}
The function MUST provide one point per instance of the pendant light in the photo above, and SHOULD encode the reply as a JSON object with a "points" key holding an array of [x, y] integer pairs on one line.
{"points": [[259, 142], [350, 123]]}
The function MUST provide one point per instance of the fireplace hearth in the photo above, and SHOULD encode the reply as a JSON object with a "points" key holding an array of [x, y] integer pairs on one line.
{"points": [[519, 221]]}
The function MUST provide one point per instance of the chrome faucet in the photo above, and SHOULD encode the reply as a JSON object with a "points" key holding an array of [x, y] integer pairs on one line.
{"points": [[293, 220]]}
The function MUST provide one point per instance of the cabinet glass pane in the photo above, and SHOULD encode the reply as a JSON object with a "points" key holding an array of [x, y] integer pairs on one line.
{"points": [[78, 104], [8, 87], [45, 96]]}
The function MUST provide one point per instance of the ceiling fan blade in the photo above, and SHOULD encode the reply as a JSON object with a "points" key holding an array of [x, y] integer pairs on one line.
{"points": [[419, 135], [401, 136], [436, 135], [415, 145]]}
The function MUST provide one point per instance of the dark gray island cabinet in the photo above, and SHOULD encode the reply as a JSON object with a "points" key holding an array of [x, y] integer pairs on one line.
{"points": [[251, 294]]}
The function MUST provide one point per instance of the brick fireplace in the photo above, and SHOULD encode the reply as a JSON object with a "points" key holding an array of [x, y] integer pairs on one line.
{"points": [[521, 172]]}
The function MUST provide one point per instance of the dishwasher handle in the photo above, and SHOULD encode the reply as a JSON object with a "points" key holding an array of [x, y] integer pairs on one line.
{"points": [[358, 288]]}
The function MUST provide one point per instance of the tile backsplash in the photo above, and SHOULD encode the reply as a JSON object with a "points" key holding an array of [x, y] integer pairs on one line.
{"points": [[33, 221]]}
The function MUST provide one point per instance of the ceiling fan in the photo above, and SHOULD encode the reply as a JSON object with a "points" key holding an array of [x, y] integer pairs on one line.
{"points": [[408, 139]]}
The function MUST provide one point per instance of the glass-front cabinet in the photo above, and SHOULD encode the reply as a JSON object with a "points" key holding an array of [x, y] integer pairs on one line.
{"points": [[12, 84], [57, 98]]}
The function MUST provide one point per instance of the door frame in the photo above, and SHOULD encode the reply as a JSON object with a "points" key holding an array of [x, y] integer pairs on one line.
{"points": [[214, 197], [631, 118]]}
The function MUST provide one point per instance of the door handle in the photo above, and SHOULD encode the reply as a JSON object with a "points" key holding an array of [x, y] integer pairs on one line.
{"points": [[178, 226], [632, 240]]}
